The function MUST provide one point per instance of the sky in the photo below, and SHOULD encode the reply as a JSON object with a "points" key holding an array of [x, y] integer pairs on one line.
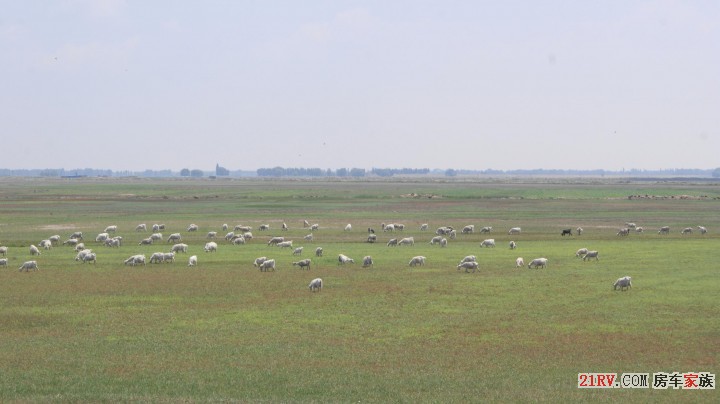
{"points": [[173, 84]]}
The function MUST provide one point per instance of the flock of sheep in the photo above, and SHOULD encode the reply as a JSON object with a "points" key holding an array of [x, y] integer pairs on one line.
{"points": [[242, 234]]}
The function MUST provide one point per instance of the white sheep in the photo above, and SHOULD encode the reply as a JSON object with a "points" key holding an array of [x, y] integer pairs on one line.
{"points": [[264, 227], [285, 244], [3, 262], [468, 229], [211, 247], [111, 229], [146, 241], [156, 237], [368, 262], [28, 265], [308, 237], [314, 227], [91, 257], [513, 245], [240, 240], [392, 243], [319, 252], [169, 257], [102, 237], [581, 252], [348, 227], [34, 250], [211, 235], [443, 242], [141, 227], [81, 254], [372, 238], [316, 285], [46, 244], [623, 283], [297, 251], [424, 227], [344, 259], [303, 264], [275, 240], [192, 227], [664, 230], [135, 260], [591, 254], [157, 227], [192, 261], [4, 251], [702, 229], [157, 258], [538, 262], [515, 230], [267, 265], [71, 242], [406, 241], [55, 239], [486, 229], [490, 242], [519, 262], [417, 260], [174, 238], [469, 265], [469, 258], [285, 227], [687, 230]]}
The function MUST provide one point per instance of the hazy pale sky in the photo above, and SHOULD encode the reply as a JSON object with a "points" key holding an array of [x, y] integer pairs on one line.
{"points": [[134, 85]]}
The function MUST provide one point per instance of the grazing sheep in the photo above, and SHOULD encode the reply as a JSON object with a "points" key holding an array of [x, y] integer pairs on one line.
{"points": [[113, 242], [399, 226], [3, 251], [91, 257], [344, 259], [515, 230], [468, 265], [319, 252], [443, 231], [368, 262], [146, 241], [417, 260], [639, 229], [157, 258], [519, 262], [169, 257], [211, 247], [71, 242], [174, 238], [388, 227], [308, 238], [407, 241], [486, 229], [453, 234], [372, 238], [111, 229], [79, 247], [702, 229], [297, 251], [135, 260], [239, 240], [55, 239], [490, 242], [259, 261], [513, 245], [591, 254], [285, 244], [156, 237], [664, 230], [630, 225], [623, 283], [211, 235], [102, 237], [285, 227], [314, 227], [623, 232], [316, 285], [468, 229], [224, 226], [687, 230], [435, 240], [579, 231], [275, 240], [34, 250], [267, 265], [77, 235], [392, 243], [242, 228], [581, 252], [264, 227], [192, 261], [303, 264], [81, 254], [3, 262], [424, 227], [141, 227], [229, 236], [443, 242], [46, 244], [538, 262], [306, 223], [469, 258], [157, 227], [28, 265], [348, 227]]}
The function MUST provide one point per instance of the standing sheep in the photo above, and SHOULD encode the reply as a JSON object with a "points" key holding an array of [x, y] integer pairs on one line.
{"points": [[623, 283], [192, 261], [316, 285]]}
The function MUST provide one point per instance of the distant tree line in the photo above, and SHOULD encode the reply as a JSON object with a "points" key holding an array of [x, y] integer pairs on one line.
{"points": [[309, 172]]}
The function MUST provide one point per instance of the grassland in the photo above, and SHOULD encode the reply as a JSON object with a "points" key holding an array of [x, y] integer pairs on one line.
{"points": [[226, 332]]}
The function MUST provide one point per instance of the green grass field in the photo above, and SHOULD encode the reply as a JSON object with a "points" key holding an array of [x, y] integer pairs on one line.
{"points": [[224, 331]]}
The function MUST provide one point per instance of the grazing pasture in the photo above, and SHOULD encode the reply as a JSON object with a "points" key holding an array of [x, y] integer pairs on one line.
{"points": [[224, 331]]}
